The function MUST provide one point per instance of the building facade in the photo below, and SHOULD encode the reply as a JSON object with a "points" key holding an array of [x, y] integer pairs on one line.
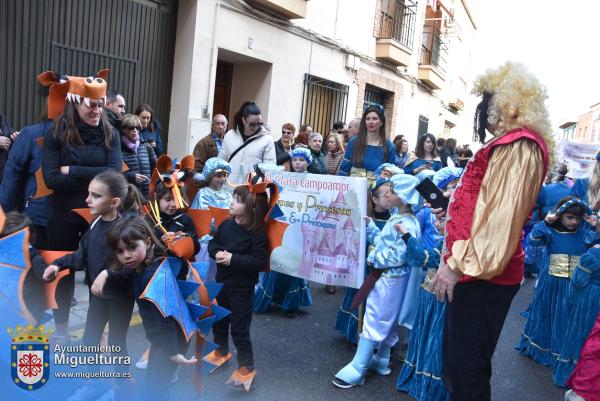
{"points": [[587, 129], [321, 61]]}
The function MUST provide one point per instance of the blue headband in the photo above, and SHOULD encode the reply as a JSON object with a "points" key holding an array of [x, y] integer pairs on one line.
{"points": [[574, 202]]}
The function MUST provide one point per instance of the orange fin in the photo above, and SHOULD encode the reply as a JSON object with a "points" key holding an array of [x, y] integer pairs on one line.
{"points": [[242, 376], [215, 358]]}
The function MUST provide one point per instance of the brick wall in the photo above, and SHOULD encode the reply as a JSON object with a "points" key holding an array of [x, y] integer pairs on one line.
{"points": [[392, 99]]}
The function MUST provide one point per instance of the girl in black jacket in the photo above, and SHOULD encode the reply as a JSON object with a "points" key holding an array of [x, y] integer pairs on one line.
{"points": [[240, 248], [108, 191], [138, 155]]}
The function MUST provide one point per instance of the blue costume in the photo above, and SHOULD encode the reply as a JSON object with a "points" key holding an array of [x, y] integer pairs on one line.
{"points": [[544, 333], [580, 189], [584, 298], [214, 198], [209, 197], [384, 302], [347, 320], [548, 198], [421, 374], [373, 157], [414, 162]]}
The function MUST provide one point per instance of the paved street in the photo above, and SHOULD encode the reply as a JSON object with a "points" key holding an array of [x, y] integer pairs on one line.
{"points": [[296, 360]]}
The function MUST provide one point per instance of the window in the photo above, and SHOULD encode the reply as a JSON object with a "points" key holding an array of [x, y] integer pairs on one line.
{"points": [[324, 102], [398, 21]]}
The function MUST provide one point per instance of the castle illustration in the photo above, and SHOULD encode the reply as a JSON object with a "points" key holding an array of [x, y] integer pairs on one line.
{"points": [[330, 252]]}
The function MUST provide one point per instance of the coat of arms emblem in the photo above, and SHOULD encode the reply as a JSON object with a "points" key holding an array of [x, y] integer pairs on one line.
{"points": [[30, 356]]}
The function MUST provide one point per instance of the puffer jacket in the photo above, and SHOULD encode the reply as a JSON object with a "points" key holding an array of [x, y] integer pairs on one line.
{"points": [[142, 162], [260, 150]]}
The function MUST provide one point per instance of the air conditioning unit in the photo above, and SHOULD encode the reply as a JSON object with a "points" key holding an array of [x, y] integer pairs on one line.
{"points": [[352, 62]]}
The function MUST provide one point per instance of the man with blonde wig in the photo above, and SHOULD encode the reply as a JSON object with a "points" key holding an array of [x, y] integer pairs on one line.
{"points": [[482, 264]]}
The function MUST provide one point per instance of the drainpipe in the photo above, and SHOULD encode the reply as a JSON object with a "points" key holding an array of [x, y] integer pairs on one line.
{"points": [[213, 64]]}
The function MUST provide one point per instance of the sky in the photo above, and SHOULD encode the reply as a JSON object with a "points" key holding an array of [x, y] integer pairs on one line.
{"points": [[557, 40]]}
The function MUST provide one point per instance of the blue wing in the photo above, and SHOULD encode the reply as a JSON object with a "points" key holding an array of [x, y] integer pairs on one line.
{"points": [[180, 300]]}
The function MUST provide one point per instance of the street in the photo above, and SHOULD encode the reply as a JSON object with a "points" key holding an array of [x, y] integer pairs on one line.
{"points": [[297, 358]]}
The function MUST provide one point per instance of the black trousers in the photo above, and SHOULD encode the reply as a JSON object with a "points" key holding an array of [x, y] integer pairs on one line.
{"points": [[116, 312], [239, 301], [64, 230], [161, 370], [474, 320]]}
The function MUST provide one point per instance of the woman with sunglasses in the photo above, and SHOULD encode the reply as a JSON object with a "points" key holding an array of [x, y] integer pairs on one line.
{"points": [[248, 143], [138, 154]]}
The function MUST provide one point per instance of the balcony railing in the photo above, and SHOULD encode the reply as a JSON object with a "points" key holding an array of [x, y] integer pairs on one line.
{"points": [[433, 48], [398, 22]]}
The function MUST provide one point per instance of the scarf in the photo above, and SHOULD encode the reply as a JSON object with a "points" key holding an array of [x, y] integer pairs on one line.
{"points": [[132, 146]]}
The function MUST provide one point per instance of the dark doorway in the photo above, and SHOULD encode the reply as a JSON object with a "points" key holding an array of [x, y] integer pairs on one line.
{"points": [[222, 98]]}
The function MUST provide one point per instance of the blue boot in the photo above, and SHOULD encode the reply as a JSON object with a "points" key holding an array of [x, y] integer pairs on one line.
{"points": [[381, 360], [354, 373]]}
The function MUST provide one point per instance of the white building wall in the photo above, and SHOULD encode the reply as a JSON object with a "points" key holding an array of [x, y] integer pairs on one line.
{"points": [[281, 58]]}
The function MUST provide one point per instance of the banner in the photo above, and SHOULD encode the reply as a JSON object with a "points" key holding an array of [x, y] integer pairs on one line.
{"points": [[325, 237], [580, 158]]}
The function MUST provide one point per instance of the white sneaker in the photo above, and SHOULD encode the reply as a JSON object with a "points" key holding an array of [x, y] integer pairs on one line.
{"points": [[573, 396]]}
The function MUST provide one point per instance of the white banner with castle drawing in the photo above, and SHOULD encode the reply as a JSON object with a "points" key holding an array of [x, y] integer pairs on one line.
{"points": [[325, 237]]}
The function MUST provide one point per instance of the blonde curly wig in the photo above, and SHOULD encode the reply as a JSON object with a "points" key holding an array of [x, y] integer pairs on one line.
{"points": [[518, 101]]}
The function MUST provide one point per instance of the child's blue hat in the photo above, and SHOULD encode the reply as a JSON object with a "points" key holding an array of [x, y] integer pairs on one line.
{"points": [[302, 152], [215, 165], [377, 183], [392, 168], [404, 186], [446, 175], [572, 203]]}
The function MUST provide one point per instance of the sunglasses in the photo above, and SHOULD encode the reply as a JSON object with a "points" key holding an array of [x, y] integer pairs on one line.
{"points": [[137, 127], [255, 125]]}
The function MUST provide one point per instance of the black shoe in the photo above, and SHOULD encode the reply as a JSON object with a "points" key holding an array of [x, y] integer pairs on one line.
{"points": [[339, 383], [291, 313], [73, 301], [330, 289]]}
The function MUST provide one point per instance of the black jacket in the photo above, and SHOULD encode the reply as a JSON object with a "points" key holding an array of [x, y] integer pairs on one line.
{"points": [[92, 255], [142, 162], [318, 165], [281, 154], [85, 162], [249, 253]]}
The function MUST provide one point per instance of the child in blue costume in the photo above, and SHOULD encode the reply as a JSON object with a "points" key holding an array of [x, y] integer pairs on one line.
{"points": [[584, 298], [548, 198], [347, 320], [421, 374], [566, 237], [289, 292], [380, 329], [213, 194]]}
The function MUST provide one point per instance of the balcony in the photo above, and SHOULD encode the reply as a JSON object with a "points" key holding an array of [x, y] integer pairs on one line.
{"points": [[397, 28], [456, 104], [288, 9], [433, 58]]}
